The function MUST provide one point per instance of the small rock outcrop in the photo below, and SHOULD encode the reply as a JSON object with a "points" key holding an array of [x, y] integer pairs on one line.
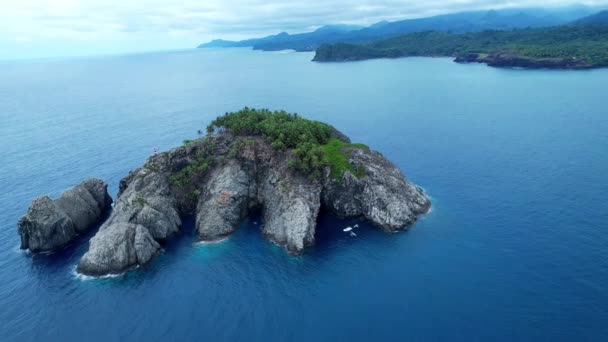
{"points": [[51, 224], [118, 247]]}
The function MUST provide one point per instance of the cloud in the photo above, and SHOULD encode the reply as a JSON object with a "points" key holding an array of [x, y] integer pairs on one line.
{"points": [[93, 21], [22, 39]]}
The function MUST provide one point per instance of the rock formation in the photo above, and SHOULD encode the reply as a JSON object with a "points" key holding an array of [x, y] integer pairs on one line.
{"points": [[289, 170], [383, 196], [241, 178], [145, 212], [50, 224]]}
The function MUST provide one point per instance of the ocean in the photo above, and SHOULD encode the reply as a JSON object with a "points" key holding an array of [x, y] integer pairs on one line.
{"points": [[515, 161]]}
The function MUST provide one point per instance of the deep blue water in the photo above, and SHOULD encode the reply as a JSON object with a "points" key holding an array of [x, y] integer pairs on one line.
{"points": [[516, 247]]}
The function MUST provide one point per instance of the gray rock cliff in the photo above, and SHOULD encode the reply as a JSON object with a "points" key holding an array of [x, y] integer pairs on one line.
{"points": [[51, 224], [383, 196], [145, 214]]}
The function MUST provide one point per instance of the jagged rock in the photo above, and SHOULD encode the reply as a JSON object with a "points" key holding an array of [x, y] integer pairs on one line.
{"points": [[383, 195], [291, 206], [81, 205], [260, 179], [45, 227], [145, 213], [116, 248], [290, 201], [225, 201], [50, 224], [147, 200]]}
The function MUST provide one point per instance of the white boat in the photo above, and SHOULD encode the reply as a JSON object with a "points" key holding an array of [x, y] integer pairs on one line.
{"points": [[348, 229], [353, 234]]}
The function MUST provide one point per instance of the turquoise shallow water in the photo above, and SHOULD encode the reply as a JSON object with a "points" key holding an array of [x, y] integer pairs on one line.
{"points": [[516, 247]]}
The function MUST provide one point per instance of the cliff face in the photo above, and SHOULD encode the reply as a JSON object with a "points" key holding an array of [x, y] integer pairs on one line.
{"points": [[383, 196], [50, 224], [259, 178], [146, 211], [220, 179]]}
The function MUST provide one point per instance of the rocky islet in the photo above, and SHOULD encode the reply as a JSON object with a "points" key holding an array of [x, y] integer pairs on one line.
{"points": [[51, 224], [223, 177]]}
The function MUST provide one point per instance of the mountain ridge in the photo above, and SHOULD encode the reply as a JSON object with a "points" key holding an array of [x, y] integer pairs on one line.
{"points": [[459, 22]]}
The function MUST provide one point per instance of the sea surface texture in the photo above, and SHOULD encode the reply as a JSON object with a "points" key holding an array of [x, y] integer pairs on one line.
{"points": [[516, 163]]}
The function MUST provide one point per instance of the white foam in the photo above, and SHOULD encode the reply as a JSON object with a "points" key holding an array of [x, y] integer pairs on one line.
{"points": [[431, 208], [18, 249], [212, 242], [428, 213], [83, 277]]}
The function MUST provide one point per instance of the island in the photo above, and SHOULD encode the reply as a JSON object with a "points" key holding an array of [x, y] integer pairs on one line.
{"points": [[255, 160], [51, 224], [583, 45]]}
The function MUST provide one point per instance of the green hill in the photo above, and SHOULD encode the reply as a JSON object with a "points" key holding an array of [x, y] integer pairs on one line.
{"points": [[565, 47]]}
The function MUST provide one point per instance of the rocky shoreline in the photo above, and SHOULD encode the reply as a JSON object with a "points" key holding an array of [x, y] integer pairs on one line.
{"points": [[228, 178], [509, 60], [495, 60]]}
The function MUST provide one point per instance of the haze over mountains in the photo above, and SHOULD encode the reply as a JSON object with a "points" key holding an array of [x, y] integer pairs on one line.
{"points": [[600, 18], [456, 22]]}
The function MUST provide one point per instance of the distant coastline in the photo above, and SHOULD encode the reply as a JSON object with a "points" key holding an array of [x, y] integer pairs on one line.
{"points": [[496, 38], [561, 47], [459, 22]]}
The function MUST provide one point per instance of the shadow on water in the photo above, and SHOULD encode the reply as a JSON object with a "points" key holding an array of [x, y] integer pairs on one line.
{"points": [[248, 241], [173, 249], [331, 236], [247, 246]]}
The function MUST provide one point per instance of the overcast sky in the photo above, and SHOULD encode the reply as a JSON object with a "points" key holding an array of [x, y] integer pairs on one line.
{"points": [[46, 28]]}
